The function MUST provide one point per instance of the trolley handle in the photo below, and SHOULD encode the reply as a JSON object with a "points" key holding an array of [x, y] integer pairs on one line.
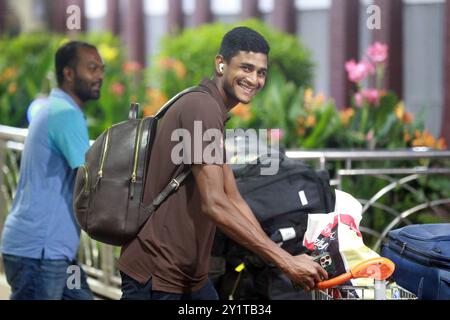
{"points": [[376, 268]]}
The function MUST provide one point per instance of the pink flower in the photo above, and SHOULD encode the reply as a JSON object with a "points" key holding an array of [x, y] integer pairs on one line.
{"points": [[371, 95], [276, 134], [130, 67], [378, 52], [370, 135], [358, 99], [358, 71], [117, 89]]}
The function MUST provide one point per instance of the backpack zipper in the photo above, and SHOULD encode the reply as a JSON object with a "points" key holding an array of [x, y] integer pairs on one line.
{"points": [[105, 150], [136, 150], [136, 156]]}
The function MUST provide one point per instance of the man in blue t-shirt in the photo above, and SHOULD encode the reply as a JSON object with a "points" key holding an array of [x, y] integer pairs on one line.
{"points": [[41, 237]]}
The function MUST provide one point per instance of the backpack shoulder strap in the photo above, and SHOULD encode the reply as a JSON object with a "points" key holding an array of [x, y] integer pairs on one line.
{"points": [[169, 103], [173, 185]]}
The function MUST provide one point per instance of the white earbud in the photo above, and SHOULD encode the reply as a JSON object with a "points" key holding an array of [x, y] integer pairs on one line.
{"points": [[221, 67]]}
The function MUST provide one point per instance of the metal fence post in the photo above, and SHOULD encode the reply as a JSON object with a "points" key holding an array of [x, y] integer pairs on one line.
{"points": [[107, 263], [2, 198]]}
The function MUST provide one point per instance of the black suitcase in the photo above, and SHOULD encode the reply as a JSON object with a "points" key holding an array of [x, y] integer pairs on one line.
{"points": [[421, 254]]}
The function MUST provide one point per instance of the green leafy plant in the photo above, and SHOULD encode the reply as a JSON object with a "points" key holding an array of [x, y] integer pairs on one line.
{"points": [[375, 119], [25, 65], [304, 120]]}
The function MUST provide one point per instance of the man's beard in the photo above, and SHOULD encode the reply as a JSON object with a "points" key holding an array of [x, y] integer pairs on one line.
{"points": [[83, 89]]}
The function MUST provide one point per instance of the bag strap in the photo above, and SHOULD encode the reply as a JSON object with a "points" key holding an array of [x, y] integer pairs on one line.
{"points": [[167, 191], [175, 183], [168, 104]]}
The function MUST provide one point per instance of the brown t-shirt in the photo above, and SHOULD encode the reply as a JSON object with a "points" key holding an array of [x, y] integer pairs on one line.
{"points": [[173, 248]]}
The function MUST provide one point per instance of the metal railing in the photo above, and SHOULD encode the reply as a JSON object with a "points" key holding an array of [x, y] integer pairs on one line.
{"points": [[99, 259]]}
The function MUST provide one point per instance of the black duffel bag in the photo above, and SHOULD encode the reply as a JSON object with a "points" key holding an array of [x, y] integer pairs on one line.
{"points": [[281, 203]]}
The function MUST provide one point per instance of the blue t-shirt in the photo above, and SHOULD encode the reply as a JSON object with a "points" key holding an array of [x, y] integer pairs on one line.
{"points": [[41, 223]]}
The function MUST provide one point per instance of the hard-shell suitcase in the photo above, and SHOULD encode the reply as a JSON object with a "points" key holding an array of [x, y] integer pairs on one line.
{"points": [[421, 254]]}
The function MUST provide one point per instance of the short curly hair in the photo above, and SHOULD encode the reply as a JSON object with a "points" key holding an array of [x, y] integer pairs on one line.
{"points": [[242, 39]]}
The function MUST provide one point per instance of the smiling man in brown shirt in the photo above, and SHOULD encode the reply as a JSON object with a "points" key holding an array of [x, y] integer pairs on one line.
{"points": [[169, 259]]}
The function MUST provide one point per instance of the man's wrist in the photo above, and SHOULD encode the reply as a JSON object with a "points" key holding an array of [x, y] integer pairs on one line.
{"points": [[283, 260]]}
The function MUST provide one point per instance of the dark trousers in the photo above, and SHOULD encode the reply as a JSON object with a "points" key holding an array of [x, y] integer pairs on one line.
{"points": [[133, 290]]}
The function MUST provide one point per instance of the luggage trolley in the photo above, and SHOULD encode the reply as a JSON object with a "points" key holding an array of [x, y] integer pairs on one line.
{"points": [[379, 269], [382, 290]]}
